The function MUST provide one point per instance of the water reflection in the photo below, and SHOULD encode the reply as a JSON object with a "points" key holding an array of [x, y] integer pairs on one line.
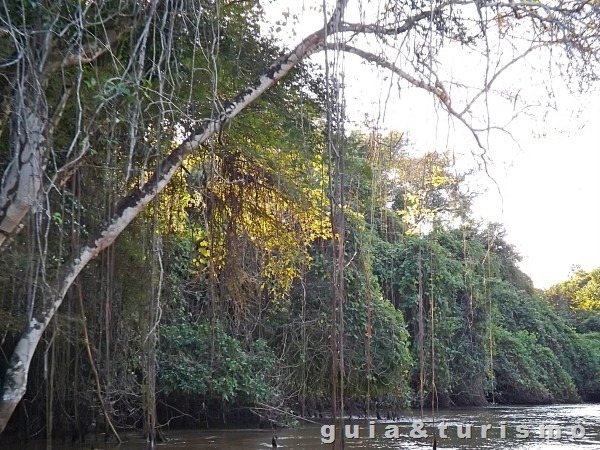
{"points": [[512, 419]]}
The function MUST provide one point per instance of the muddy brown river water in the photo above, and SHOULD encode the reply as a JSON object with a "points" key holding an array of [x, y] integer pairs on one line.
{"points": [[565, 427]]}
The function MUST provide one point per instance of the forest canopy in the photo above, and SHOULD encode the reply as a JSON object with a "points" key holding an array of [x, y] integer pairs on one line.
{"points": [[185, 220]]}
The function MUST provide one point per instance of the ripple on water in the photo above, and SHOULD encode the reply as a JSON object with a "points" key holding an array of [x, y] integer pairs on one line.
{"points": [[309, 437]]}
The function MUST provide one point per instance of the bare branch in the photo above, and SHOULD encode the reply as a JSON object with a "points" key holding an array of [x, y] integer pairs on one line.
{"points": [[15, 380], [437, 89], [497, 74], [407, 25], [88, 53]]}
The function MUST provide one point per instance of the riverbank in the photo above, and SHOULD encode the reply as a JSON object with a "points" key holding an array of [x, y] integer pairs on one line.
{"points": [[512, 419]]}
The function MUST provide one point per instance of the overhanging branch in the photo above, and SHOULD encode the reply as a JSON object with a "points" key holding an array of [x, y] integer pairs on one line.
{"points": [[15, 380], [437, 89]]}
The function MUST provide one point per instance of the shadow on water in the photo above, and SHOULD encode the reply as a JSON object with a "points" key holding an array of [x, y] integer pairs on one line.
{"points": [[505, 428]]}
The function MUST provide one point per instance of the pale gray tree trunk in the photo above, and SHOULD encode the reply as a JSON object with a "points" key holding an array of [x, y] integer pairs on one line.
{"points": [[15, 380], [23, 177]]}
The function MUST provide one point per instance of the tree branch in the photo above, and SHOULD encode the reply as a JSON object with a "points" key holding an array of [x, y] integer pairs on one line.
{"points": [[408, 24], [437, 89], [15, 380], [88, 53], [497, 74]]}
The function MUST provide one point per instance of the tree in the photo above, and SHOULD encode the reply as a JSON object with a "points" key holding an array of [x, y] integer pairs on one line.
{"points": [[581, 292], [104, 72]]}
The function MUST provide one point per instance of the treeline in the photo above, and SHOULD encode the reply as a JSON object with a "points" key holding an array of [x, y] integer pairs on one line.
{"points": [[215, 305], [435, 306]]}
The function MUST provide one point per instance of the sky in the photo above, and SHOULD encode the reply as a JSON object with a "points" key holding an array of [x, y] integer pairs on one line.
{"points": [[544, 178]]}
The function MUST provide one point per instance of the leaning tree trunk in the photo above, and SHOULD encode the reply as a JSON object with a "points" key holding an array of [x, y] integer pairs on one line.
{"points": [[15, 380], [19, 193]]}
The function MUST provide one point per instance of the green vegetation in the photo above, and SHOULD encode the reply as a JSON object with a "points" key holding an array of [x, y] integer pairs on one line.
{"points": [[287, 258]]}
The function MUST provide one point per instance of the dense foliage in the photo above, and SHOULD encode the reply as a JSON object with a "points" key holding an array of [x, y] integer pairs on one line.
{"points": [[216, 303]]}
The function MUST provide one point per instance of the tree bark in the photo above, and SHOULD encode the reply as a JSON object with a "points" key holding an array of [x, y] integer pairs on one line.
{"points": [[22, 180], [15, 380]]}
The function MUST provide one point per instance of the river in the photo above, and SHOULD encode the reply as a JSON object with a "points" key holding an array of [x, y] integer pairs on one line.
{"points": [[504, 428]]}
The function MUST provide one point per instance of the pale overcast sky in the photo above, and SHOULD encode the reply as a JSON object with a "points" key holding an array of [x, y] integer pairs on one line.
{"points": [[549, 182]]}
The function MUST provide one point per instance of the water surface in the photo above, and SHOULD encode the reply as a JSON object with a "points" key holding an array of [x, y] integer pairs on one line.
{"points": [[515, 419]]}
